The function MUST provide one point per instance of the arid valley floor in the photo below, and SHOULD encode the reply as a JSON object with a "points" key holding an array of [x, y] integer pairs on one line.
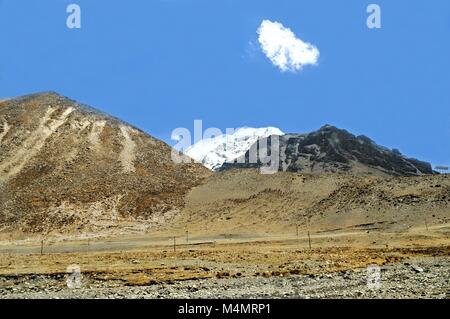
{"points": [[414, 264]]}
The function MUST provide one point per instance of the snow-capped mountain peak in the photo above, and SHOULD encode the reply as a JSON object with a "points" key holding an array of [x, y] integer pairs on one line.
{"points": [[213, 152]]}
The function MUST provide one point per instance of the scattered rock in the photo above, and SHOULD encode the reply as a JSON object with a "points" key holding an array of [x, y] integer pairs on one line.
{"points": [[417, 269]]}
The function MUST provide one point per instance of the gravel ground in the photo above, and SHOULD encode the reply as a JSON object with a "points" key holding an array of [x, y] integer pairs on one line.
{"points": [[414, 278]]}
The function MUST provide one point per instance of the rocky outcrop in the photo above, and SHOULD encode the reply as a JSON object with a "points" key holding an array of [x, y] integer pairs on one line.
{"points": [[330, 149]]}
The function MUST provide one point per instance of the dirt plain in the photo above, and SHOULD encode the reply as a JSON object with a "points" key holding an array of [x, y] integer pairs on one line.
{"points": [[414, 264]]}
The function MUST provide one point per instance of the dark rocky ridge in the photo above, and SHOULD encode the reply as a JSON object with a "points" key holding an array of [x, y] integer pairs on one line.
{"points": [[333, 150]]}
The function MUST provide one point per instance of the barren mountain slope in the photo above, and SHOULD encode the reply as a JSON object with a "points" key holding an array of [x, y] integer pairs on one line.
{"points": [[66, 167], [244, 201]]}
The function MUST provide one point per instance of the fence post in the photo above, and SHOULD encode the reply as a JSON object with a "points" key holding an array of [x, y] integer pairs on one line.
{"points": [[309, 240]]}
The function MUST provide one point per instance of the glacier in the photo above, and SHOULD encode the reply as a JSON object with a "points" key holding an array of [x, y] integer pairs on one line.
{"points": [[214, 152]]}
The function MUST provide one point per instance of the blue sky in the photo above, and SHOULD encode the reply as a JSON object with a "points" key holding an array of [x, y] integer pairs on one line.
{"points": [[161, 64]]}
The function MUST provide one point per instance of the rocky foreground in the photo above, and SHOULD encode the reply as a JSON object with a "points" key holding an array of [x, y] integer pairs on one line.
{"points": [[413, 278]]}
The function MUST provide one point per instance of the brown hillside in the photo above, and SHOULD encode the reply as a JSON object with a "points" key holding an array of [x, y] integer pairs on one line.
{"points": [[66, 167], [244, 201]]}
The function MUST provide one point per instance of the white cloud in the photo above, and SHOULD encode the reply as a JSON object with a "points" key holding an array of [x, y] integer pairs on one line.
{"points": [[284, 49]]}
